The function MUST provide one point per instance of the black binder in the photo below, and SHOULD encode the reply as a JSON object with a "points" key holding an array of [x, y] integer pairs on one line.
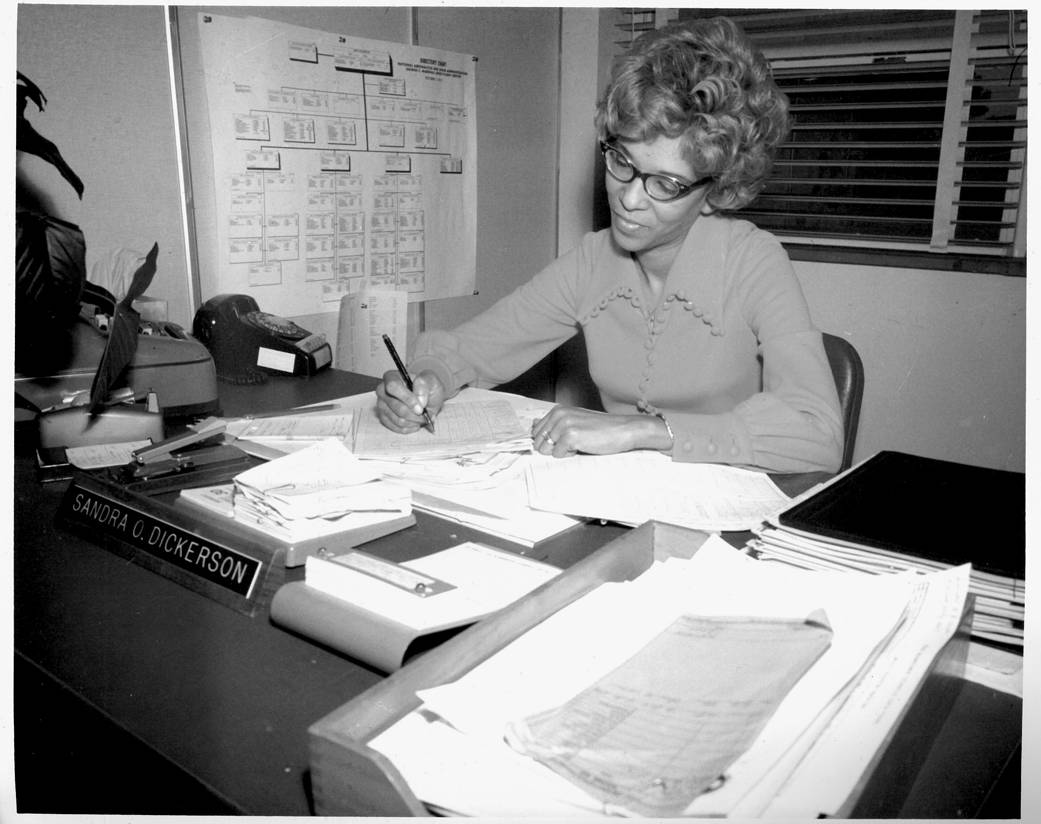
{"points": [[944, 511]]}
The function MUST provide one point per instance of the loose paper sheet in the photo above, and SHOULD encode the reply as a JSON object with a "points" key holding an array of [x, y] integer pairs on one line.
{"points": [[662, 728], [634, 487]]}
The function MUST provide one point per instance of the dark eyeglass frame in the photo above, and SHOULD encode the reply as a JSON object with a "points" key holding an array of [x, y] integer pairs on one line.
{"points": [[685, 188]]}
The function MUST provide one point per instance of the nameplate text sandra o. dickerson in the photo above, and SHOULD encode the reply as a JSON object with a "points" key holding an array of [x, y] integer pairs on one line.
{"points": [[117, 519]]}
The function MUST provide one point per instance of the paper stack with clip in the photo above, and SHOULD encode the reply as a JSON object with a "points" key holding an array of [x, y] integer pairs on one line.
{"points": [[323, 481], [319, 493]]}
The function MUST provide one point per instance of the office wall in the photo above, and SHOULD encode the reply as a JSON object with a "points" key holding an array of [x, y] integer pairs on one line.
{"points": [[944, 355], [103, 70], [517, 92]]}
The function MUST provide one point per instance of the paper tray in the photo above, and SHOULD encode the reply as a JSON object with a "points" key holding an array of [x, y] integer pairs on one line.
{"points": [[350, 779]]}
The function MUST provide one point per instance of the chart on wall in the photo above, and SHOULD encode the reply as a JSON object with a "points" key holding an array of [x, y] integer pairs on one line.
{"points": [[339, 163]]}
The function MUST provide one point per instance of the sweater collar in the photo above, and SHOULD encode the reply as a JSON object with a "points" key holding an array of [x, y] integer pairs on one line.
{"points": [[696, 280]]}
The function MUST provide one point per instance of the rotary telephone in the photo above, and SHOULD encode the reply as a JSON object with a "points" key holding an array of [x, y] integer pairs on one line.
{"points": [[248, 344]]}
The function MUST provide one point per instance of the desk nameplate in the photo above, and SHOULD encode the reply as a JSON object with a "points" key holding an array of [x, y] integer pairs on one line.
{"points": [[194, 552]]}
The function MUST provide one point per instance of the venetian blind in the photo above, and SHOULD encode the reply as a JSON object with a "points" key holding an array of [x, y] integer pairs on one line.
{"points": [[908, 127]]}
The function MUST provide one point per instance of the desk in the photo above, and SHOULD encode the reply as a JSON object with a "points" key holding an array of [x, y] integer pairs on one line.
{"points": [[136, 695]]}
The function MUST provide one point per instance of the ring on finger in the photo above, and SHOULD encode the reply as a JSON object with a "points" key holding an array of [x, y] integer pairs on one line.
{"points": [[550, 440]]}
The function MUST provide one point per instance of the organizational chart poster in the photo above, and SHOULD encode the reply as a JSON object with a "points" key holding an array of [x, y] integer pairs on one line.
{"points": [[339, 163]]}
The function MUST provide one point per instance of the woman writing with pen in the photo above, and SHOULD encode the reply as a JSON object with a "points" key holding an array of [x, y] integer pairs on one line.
{"points": [[698, 336]]}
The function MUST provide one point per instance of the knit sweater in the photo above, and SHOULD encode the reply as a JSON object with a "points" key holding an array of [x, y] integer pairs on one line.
{"points": [[729, 354]]}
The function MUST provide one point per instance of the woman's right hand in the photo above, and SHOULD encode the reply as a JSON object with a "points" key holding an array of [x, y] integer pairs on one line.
{"points": [[402, 411]]}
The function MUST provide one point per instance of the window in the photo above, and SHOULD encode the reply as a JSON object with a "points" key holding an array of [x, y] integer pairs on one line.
{"points": [[908, 130]]}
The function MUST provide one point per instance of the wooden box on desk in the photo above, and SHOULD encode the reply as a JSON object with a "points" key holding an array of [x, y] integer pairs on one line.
{"points": [[350, 778]]}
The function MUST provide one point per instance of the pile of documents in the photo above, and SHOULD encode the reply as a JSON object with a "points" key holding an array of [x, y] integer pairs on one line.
{"points": [[629, 719], [1000, 600], [898, 512], [473, 471], [319, 490], [477, 468]]}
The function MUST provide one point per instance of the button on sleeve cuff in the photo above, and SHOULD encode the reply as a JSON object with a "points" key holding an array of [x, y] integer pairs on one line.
{"points": [[710, 438]]}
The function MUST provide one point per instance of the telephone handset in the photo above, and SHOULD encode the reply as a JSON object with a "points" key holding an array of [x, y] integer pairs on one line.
{"points": [[283, 327], [247, 343]]}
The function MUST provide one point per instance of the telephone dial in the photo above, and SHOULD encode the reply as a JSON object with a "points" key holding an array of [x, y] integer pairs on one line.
{"points": [[248, 344]]}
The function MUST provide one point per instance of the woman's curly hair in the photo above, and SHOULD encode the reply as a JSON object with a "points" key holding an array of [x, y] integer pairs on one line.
{"points": [[705, 83]]}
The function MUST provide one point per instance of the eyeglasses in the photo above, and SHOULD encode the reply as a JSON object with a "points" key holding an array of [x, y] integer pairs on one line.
{"points": [[660, 187]]}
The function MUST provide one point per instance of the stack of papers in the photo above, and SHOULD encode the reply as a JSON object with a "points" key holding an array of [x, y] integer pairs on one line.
{"points": [[320, 490], [885, 632], [1000, 601], [634, 487], [484, 488], [896, 512], [486, 491], [322, 481]]}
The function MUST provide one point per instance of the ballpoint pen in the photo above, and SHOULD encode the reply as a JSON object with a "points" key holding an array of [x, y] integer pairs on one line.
{"points": [[405, 376]]}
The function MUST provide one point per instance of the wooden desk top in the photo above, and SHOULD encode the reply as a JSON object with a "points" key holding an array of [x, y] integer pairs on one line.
{"points": [[229, 698]]}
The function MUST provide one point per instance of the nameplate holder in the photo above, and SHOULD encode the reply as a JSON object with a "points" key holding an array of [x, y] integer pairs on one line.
{"points": [[194, 552]]}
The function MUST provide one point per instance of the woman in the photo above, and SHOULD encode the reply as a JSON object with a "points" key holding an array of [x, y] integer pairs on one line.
{"points": [[698, 336]]}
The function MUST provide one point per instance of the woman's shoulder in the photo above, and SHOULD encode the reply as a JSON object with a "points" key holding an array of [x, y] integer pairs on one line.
{"points": [[746, 250], [742, 233], [595, 255]]}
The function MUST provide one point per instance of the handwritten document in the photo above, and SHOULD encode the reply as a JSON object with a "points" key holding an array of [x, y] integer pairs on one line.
{"points": [[460, 428], [663, 728], [634, 487]]}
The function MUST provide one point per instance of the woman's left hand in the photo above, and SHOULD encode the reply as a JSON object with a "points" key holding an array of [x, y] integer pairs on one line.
{"points": [[567, 430]]}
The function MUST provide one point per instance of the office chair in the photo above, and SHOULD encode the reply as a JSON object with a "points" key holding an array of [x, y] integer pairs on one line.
{"points": [[572, 385], [848, 370]]}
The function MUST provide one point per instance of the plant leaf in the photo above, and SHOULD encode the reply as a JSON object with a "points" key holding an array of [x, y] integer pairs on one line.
{"points": [[32, 142], [119, 351], [142, 278]]}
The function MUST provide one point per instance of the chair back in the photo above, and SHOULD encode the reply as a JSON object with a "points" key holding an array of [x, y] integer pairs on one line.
{"points": [[574, 386], [848, 370]]}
